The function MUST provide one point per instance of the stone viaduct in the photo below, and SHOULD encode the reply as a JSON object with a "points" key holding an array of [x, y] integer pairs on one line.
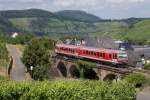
{"points": [[67, 69]]}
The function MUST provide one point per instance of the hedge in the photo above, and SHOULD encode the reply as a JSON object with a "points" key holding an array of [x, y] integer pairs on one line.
{"points": [[66, 90]]}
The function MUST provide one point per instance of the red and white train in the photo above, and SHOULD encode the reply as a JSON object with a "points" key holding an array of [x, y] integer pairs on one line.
{"points": [[98, 54]]}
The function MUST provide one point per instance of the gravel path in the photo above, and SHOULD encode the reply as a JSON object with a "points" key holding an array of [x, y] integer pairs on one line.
{"points": [[18, 69], [143, 96]]}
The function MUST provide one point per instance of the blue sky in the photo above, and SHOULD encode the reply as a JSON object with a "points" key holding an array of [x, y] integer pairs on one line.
{"points": [[107, 9]]}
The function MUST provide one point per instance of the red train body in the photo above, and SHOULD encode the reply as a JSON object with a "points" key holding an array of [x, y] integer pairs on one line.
{"points": [[103, 55]]}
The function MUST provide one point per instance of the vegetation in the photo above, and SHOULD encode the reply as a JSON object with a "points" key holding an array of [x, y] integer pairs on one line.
{"points": [[147, 67], [136, 79], [77, 15], [140, 32], [66, 90], [36, 54], [3, 55], [73, 23]]}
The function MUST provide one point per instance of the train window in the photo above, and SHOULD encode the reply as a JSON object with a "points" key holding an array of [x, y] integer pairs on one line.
{"points": [[115, 56], [110, 56], [86, 52], [94, 53], [101, 54], [97, 53]]}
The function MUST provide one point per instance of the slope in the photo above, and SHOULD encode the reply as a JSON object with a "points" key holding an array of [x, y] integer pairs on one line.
{"points": [[78, 15], [140, 32]]}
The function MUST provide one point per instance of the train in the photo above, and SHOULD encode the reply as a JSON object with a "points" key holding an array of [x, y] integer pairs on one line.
{"points": [[115, 57]]}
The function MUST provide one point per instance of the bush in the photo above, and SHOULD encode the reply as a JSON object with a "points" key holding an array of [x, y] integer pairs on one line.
{"points": [[136, 79], [147, 67], [66, 90], [3, 55]]}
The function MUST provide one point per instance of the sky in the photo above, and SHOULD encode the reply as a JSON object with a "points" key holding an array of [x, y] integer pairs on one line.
{"points": [[106, 9]]}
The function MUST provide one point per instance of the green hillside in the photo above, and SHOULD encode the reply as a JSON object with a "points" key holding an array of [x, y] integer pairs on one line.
{"points": [[78, 15], [72, 23], [140, 32], [50, 26], [6, 25], [26, 13], [115, 29]]}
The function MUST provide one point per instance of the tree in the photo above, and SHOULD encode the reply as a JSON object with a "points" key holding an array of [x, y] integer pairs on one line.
{"points": [[36, 54]]}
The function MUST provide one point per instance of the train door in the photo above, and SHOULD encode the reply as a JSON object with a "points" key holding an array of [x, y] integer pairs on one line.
{"points": [[114, 57], [104, 55]]}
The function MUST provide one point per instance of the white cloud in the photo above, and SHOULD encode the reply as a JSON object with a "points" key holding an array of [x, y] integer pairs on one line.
{"points": [[124, 1], [77, 3]]}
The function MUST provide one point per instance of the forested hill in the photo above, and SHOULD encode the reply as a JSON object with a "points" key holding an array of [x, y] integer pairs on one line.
{"points": [[77, 15], [26, 13], [74, 15], [45, 22], [68, 23]]}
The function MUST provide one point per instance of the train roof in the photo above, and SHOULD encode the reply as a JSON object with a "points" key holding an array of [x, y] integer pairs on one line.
{"points": [[67, 46], [102, 49], [90, 48]]}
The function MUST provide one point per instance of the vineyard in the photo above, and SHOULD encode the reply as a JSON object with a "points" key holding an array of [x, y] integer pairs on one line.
{"points": [[66, 90]]}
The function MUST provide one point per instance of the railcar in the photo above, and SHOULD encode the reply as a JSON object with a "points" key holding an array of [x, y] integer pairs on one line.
{"points": [[98, 54]]}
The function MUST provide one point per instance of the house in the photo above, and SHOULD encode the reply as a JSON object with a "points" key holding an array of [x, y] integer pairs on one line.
{"points": [[14, 35]]}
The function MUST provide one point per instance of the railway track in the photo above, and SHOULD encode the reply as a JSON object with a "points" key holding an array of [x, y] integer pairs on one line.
{"points": [[139, 70], [127, 69]]}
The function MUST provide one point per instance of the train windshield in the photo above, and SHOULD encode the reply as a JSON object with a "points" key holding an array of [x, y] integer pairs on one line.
{"points": [[122, 56]]}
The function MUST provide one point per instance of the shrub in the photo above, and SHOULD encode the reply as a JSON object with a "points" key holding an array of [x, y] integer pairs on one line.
{"points": [[66, 90], [136, 79], [147, 67]]}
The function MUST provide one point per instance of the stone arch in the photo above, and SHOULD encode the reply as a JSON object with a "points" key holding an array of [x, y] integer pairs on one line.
{"points": [[110, 77], [62, 68], [90, 74], [74, 72]]}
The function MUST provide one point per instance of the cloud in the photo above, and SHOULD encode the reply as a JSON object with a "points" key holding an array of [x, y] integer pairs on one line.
{"points": [[125, 1], [77, 3], [103, 8]]}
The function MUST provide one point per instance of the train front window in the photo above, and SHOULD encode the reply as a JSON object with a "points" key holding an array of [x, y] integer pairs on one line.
{"points": [[122, 56]]}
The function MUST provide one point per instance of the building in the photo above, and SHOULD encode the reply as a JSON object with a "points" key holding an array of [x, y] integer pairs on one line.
{"points": [[14, 35]]}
